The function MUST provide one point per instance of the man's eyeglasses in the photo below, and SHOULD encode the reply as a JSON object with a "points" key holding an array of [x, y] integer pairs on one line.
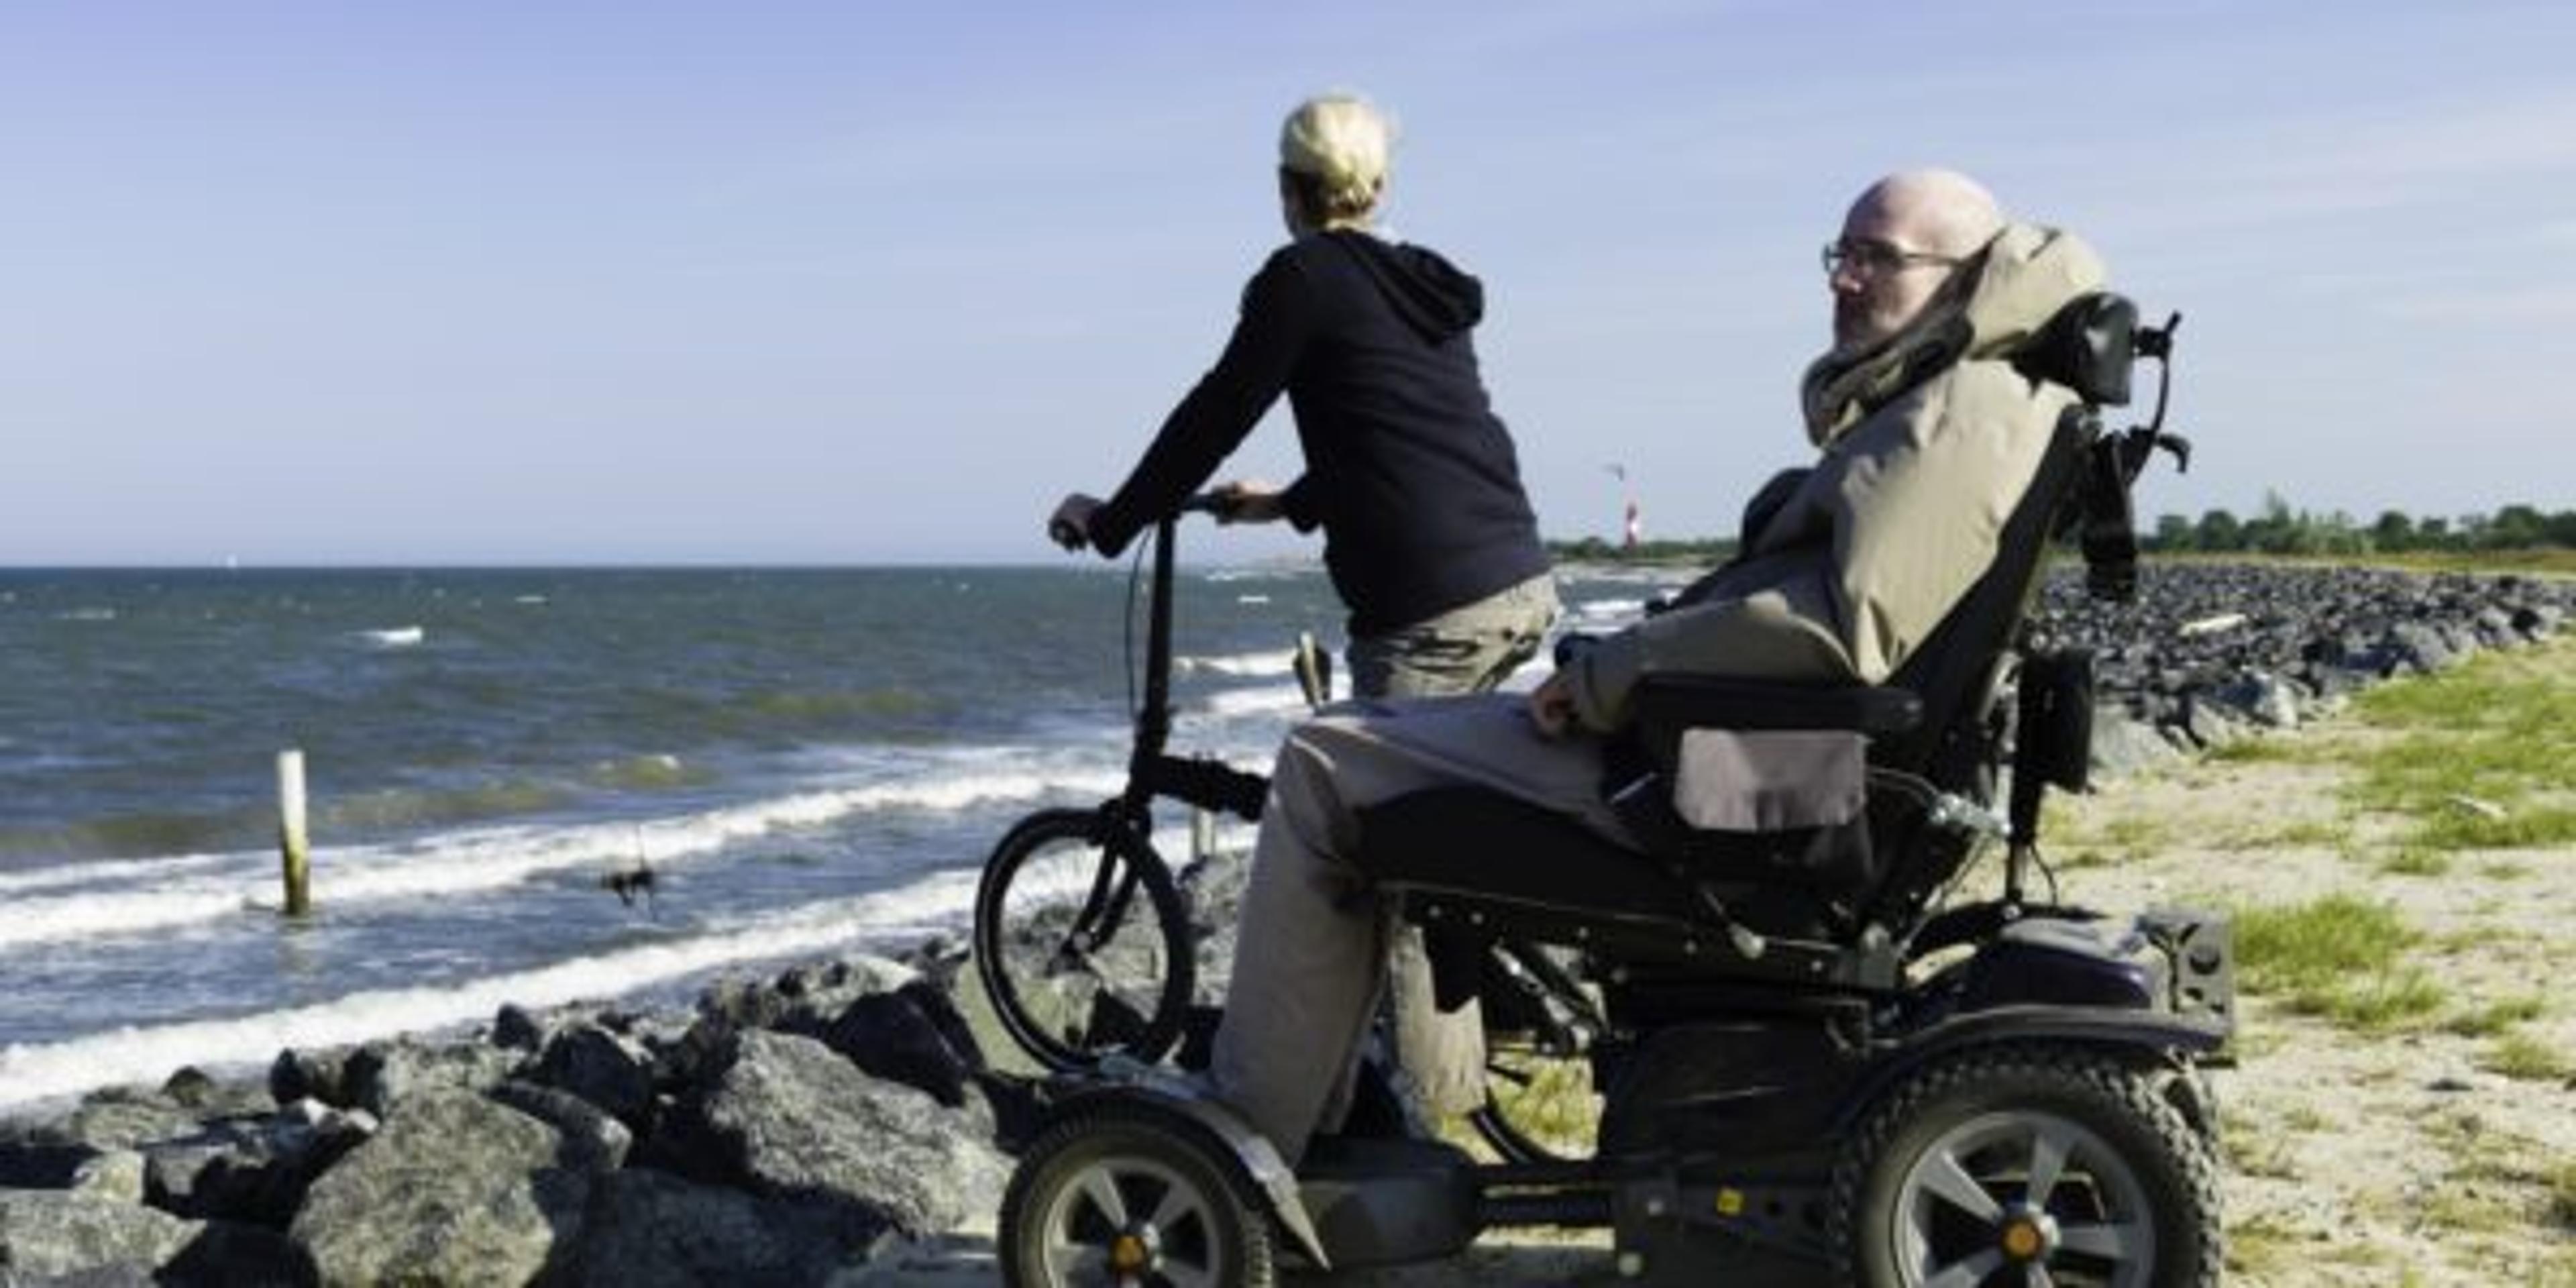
{"points": [[1877, 258]]}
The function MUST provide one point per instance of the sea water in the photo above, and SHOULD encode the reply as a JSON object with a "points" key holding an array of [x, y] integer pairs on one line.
{"points": [[807, 760]]}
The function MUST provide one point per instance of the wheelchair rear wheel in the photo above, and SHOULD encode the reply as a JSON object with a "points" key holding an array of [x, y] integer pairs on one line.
{"points": [[1082, 940]]}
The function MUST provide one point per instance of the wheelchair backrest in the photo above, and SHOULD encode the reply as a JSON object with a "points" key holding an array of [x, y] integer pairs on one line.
{"points": [[1959, 673]]}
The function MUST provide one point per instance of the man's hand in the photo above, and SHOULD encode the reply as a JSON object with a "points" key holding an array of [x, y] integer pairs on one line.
{"points": [[1248, 501], [1551, 705], [1070, 525]]}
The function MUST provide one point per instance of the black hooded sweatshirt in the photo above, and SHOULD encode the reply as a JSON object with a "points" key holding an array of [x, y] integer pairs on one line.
{"points": [[1408, 471]]}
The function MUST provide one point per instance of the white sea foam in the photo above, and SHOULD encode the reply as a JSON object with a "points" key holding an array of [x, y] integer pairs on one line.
{"points": [[1609, 609], [394, 636], [101, 872], [494, 858], [1252, 599], [1271, 662], [40, 1072], [1237, 703]]}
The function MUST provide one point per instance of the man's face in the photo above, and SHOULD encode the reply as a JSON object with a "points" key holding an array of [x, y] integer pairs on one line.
{"points": [[1887, 273]]}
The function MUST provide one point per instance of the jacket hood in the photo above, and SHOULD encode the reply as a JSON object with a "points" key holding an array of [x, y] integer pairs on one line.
{"points": [[1432, 295], [2020, 280], [2030, 273]]}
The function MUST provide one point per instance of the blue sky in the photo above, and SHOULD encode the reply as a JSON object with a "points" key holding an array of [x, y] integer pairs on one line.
{"points": [[508, 282]]}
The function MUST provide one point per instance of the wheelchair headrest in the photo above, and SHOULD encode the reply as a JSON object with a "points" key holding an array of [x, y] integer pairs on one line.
{"points": [[2088, 347]]}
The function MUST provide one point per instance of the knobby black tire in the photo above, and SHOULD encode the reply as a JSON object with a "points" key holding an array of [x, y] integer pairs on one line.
{"points": [[2124, 1105], [1145, 901], [1105, 1135]]}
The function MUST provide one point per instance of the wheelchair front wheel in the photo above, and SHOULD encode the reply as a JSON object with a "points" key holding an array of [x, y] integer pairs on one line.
{"points": [[1082, 940], [1116, 1195], [2061, 1166]]}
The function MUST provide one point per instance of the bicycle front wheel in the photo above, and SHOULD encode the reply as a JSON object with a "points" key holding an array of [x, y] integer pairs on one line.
{"points": [[1082, 941]]}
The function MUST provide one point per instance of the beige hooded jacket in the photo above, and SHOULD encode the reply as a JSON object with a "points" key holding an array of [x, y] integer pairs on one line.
{"points": [[1900, 516]]}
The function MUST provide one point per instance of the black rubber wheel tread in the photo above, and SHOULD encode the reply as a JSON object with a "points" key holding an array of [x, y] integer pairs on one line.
{"points": [[1162, 898], [1091, 1135], [2065, 1077]]}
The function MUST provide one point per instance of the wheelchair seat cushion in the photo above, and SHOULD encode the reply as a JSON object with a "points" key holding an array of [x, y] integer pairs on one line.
{"points": [[1552, 876]]}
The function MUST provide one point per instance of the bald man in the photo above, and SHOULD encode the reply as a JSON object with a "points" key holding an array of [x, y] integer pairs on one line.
{"points": [[1926, 440]]}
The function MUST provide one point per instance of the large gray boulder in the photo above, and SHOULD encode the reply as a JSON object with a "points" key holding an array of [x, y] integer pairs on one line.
{"points": [[792, 1119], [2122, 746], [454, 1188], [254, 1170], [381, 1075], [48, 1235], [593, 1141], [126, 1118], [607, 1069], [650, 1229]]}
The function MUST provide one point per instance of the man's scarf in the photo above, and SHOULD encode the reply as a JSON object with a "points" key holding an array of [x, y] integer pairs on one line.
{"points": [[1847, 384]]}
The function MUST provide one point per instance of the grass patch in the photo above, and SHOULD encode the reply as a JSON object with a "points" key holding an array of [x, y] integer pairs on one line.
{"points": [[2499, 730], [2393, 1000], [2290, 946], [2525, 828], [2305, 1118], [2261, 749], [2339, 957], [2416, 861], [2561, 1184], [2261, 1247], [2496, 1017], [2525, 1058], [2504, 870]]}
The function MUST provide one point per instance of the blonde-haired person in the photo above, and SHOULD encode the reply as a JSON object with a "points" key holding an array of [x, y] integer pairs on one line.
{"points": [[1427, 534]]}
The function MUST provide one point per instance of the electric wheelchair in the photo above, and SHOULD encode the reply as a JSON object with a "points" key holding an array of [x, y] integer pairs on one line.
{"points": [[1818, 1061]]}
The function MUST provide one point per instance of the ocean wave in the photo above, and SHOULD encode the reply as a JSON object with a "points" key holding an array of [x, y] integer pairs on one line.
{"points": [[33, 1073], [1269, 700], [394, 636], [1595, 610], [1268, 662], [495, 858], [95, 872]]}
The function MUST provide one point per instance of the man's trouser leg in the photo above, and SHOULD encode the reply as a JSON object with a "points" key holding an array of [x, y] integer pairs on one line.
{"points": [[1309, 953]]}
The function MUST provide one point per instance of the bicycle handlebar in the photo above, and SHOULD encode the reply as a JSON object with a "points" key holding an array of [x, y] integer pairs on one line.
{"points": [[1210, 503]]}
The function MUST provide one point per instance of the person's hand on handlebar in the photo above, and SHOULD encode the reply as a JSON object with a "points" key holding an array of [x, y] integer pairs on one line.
{"points": [[1070, 525], [1248, 501], [1551, 705]]}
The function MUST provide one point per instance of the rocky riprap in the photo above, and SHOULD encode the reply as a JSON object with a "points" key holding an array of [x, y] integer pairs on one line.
{"points": [[2210, 652], [789, 1130], [816, 1125]]}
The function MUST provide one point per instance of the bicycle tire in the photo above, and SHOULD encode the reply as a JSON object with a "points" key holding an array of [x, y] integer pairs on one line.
{"points": [[1077, 967]]}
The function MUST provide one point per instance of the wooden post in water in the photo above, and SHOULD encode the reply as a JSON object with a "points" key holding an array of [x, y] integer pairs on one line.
{"points": [[291, 840]]}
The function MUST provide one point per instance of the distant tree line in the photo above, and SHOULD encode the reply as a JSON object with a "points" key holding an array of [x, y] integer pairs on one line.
{"points": [[1596, 550], [2281, 530], [2278, 530]]}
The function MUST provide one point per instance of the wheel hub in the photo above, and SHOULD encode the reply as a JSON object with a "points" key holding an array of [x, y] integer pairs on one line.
{"points": [[1133, 1251], [2027, 1235]]}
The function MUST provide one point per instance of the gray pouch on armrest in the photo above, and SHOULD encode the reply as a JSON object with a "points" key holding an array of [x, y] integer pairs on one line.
{"points": [[1770, 780]]}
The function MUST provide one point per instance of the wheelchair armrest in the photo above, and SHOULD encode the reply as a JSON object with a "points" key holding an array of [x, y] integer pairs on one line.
{"points": [[1664, 705]]}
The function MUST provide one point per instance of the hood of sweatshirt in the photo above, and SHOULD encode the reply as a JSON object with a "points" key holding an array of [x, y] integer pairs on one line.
{"points": [[1432, 295]]}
